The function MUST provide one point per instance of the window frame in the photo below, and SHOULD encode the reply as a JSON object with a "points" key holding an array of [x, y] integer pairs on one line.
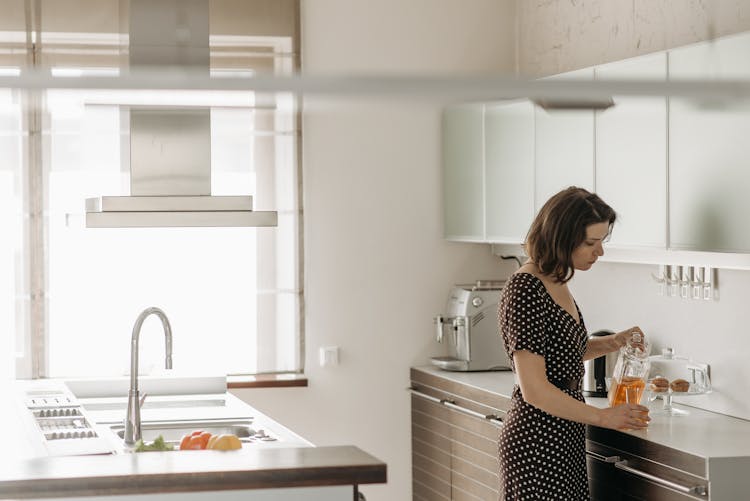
{"points": [[33, 361]]}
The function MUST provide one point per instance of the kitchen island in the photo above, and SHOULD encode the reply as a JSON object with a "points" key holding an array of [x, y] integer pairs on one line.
{"points": [[287, 467], [703, 455], [254, 474]]}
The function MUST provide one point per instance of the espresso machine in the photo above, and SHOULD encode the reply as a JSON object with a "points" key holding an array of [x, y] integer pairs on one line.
{"points": [[469, 329]]}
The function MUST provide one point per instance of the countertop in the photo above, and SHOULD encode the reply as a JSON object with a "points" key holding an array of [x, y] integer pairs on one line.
{"points": [[26, 473], [701, 433], [188, 471]]}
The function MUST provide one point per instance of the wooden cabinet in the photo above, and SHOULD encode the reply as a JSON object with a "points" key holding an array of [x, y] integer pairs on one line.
{"points": [[455, 431], [625, 468], [457, 418], [631, 155]]}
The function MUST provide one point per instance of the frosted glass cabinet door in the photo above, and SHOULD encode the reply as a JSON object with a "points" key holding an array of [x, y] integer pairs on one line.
{"points": [[509, 171], [709, 153], [463, 167], [564, 146], [631, 155]]}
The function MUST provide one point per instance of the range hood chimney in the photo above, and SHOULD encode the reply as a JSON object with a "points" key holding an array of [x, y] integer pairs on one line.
{"points": [[170, 147]]}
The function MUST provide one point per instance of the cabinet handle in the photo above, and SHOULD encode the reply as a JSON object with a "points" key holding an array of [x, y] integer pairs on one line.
{"points": [[425, 396], [695, 489], [492, 418], [606, 459], [455, 406]]}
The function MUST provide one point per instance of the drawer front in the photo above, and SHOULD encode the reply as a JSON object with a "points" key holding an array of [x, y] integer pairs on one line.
{"points": [[431, 451], [614, 475], [607, 483], [454, 452], [637, 447], [477, 399]]}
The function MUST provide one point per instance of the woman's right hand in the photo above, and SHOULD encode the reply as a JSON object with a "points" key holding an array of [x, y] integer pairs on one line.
{"points": [[624, 417]]}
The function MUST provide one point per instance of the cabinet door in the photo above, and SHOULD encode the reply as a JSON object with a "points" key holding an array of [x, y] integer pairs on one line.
{"points": [[509, 170], [564, 146], [709, 178], [631, 155], [431, 450], [463, 172], [475, 465]]}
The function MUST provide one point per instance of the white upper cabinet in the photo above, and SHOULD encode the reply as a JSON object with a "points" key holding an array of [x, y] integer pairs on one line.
{"points": [[509, 170], [564, 146], [709, 152], [463, 172], [676, 171], [631, 155]]}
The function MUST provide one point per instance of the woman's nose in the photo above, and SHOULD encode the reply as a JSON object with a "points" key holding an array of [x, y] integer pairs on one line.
{"points": [[599, 249]]}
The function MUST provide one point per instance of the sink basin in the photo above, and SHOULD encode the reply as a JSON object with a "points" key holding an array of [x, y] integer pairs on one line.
{"points": [[173, 431]]}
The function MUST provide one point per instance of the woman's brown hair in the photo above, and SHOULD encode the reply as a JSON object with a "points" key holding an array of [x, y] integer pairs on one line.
{"points": [[560, 227]]}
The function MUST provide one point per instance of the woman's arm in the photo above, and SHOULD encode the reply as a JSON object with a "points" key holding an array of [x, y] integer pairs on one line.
{"points": [[601, 345], [539, 392]]}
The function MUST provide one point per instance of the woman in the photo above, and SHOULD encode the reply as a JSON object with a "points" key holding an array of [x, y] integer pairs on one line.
{"points": [[542, 443]]}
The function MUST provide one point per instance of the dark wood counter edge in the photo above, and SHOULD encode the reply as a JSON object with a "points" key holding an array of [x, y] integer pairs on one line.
{"points": [[266, 381], [327, 466]]}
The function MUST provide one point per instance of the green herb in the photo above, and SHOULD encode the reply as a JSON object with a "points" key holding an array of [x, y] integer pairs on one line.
{"points": [[157, 445]]}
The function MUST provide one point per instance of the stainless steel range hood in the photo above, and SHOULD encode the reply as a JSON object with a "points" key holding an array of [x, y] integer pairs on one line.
{"points": [[170, 147]]}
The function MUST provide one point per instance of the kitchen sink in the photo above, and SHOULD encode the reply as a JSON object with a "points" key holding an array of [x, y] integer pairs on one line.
{"points": [[173, 431]]}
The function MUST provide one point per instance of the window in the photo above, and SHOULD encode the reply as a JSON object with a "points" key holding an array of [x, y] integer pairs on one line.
{"points": [[72, 294]]}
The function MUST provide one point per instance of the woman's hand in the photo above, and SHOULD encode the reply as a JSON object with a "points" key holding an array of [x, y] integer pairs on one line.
{"points": [[624, 417], [622, 338]]}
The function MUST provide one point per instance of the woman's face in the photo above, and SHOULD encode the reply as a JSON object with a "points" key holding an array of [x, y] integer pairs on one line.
{"points": [[586, 254]]}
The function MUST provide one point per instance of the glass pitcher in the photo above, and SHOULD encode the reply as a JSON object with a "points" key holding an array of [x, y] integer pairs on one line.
{"points": [[630, 373]]}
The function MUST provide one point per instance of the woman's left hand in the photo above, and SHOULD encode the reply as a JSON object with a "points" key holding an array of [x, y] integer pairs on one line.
{"points": [[622, 338]]}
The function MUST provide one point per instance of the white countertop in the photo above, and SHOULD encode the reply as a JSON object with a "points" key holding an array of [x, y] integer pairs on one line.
{"points": [[30, 470], [701, 433]]}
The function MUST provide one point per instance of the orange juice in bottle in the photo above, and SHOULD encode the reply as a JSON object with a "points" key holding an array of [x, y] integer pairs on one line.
{"points": [[627, 391], [631, 371]]}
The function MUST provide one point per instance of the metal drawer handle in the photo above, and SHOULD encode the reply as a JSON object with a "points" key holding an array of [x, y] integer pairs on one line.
{"points": [[425, 396], [454, 406], [606, 459], [696, 489], [492, 418]]}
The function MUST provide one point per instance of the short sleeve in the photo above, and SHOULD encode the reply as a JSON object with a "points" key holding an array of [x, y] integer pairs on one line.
{"points": [[523, 315]]}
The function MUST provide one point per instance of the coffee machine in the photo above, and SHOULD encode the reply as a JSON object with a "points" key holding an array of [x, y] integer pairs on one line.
{"points": [[469, 328]]}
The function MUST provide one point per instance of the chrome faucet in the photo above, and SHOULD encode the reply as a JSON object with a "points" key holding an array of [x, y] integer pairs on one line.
{"points": [[133, 417]]}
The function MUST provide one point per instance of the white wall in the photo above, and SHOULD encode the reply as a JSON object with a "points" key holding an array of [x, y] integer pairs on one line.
{"points": [[560, 35], [377, 268], [617, 296]]}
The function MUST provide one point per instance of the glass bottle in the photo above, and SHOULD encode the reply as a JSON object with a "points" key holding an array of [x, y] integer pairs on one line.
{"points": [[630, 373]]}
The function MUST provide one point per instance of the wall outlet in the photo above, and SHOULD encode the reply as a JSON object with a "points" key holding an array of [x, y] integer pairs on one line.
{"points": [[329, 356]]}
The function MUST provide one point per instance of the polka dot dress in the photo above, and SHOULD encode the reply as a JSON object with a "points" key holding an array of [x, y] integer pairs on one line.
{"points": [[542, 457]]}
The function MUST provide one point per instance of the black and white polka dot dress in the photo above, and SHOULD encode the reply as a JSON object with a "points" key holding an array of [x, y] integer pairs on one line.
{"points": [[542, 457]]}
